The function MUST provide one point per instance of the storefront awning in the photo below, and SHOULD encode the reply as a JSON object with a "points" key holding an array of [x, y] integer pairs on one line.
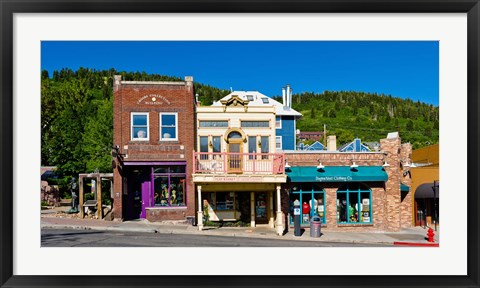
{"points": [[336, 174], [426, 191], [404, 188]]}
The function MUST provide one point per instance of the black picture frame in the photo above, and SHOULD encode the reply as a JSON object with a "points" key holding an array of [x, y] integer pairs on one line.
{"points": [[9, 7]]}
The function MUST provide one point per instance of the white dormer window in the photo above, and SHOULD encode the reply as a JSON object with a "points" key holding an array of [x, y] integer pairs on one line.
{"points": [[265, 100], [250, 97]]}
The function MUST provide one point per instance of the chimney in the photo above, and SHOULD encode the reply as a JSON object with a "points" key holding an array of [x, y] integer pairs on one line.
{"points": [[117, 81], [290, 98], [332, 143], [189, 80], [284, 99], [288, 104]]}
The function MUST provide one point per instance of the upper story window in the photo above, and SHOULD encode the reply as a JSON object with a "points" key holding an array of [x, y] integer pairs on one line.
{"points": [[255, 124], [278, 142], [278, 122], [216, 144], [168, 126], [139, 126], [250, 97], [265, 100], [213, 123]]}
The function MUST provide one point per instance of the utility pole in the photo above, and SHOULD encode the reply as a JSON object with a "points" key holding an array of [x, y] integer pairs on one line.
{"points": [[324, 135]]}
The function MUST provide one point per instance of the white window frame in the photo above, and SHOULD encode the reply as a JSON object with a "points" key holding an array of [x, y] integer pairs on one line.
{"points": [[280, 121], [281, 142], [160, 126], [132, 137]]}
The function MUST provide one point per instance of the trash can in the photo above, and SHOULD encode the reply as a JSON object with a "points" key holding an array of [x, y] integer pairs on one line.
{"points": [[315, 226]]}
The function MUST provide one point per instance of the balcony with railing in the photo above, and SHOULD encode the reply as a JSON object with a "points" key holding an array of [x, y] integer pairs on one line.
{"points": [[239, 163]]}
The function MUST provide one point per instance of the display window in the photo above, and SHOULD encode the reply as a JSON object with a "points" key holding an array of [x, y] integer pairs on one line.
{"points": [[224, 201], [169, 186], [312, 202], [354, 204]]}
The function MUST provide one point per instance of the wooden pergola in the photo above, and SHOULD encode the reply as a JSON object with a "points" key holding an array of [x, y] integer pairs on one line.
{"points": [[98, 177]]}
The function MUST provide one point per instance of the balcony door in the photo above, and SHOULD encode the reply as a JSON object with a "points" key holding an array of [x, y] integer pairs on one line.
{"points": [[234, 159]]}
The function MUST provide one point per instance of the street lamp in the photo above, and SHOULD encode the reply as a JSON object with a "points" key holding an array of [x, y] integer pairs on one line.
{"points": [[435, 192]]}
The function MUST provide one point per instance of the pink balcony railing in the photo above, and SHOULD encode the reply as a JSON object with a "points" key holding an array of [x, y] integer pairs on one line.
{"points": [[238, 163]]}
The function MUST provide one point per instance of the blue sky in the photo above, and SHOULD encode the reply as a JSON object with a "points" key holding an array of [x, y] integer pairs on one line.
{"points": [[406, 69]]}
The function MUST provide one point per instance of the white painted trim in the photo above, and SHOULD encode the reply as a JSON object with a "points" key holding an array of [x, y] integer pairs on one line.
{"points": [[151, 83], [131, 126], [160, 126], [279, 127], [281, 142]]}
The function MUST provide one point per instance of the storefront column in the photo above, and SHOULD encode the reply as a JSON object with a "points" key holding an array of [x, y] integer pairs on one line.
{"points": [[280, 226], [200, 208], [252, 209], [271, 220]]}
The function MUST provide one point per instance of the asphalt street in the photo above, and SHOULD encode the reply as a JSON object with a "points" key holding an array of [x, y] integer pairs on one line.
{"points": [[95, 238]]}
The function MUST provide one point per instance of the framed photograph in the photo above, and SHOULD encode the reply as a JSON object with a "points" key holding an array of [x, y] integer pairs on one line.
{"points": [[26, 24]]}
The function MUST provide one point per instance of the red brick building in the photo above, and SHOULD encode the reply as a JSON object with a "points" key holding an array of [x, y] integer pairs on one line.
{"points": [[153, 139], [304, 135], [352, 191]]}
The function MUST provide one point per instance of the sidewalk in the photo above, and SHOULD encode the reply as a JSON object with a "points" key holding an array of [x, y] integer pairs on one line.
{"points": [[414, 236]]}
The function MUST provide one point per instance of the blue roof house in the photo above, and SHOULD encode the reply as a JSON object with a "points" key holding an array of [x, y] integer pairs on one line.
{"points": [[354, 146], [316, 146]]}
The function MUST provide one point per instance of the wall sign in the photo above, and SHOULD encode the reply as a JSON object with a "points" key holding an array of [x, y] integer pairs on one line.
{"points": [[153, 99], [333, 178]]}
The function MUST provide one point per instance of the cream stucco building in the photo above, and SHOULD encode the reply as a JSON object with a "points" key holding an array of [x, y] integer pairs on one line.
{"points": [[237, 171]]}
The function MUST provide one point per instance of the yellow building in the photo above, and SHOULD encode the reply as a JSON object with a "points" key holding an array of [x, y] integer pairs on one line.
{"points": [[237, 171], [425, 184]]}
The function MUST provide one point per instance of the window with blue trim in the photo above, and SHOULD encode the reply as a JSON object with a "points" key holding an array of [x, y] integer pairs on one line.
{"points": [[312, 202], [354, 204]]}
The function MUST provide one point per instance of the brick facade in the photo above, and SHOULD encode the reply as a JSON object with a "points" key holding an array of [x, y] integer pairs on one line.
{"points": [[153, 98], [390, 209]]}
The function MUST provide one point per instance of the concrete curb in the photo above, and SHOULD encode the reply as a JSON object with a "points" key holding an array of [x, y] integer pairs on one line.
{"points": [[189, 231], [116, 229], [415, 244]]}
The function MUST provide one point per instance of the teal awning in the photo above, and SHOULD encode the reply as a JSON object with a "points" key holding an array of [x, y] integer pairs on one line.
{"points": [[404, 188], [336, 174]]}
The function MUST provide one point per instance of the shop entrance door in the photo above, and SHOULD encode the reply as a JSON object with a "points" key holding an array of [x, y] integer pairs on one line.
{"points": [[261, 211]]}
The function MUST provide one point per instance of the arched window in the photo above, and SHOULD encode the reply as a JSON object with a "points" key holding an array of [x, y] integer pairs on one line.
{"points": [[354, 204], [234, 135]]}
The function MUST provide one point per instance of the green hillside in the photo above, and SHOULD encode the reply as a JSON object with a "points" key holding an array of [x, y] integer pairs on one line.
{"points": [[77, 116], [370, 117]]}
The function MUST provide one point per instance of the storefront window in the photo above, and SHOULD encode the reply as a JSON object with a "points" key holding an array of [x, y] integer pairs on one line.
{"points": [[169, 185], [354, 204], [161, 191], [312, 202], [177, 188], [224, 201]]}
